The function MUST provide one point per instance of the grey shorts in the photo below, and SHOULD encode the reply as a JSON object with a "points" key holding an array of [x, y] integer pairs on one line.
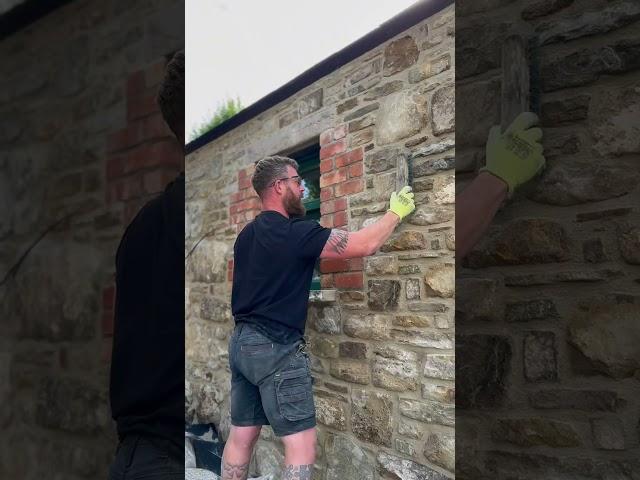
{"points": [[271, 383]]}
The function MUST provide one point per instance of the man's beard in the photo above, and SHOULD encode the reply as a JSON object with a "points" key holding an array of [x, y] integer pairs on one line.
{"points": [[293, 205]]}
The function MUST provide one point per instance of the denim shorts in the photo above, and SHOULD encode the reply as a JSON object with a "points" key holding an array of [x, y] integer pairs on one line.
{"points": [[271, 383], [147, 457]]}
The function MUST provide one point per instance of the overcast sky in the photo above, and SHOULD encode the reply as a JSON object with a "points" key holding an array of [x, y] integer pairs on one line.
{"points": [[249, 48]]}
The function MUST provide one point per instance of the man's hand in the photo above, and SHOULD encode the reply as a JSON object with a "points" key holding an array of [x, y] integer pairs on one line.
{"points": [[402, 202], [515, 156]]}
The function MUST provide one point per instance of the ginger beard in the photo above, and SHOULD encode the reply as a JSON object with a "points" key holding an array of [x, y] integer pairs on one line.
{"points": [[293, 204]]}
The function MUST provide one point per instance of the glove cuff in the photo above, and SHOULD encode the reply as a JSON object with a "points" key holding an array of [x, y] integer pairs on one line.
{"points": [[510, 187]]}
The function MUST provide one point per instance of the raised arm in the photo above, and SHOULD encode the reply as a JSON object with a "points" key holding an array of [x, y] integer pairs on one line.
{"points": [[367, 241], [513, 158]]}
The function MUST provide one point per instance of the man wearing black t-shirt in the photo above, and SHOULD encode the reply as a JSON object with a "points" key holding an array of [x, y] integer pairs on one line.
{"points": [[274, 257], [147, 366]]}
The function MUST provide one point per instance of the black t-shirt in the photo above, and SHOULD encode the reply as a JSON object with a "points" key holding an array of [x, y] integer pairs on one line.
{"points": [[147, 366], [274, 258]]}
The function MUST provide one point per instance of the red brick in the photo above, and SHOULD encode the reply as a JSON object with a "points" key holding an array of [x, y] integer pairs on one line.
{"points": [[332, 265], [356, 170], [349, 280], [326, 221], [230, 270], [154, 127], [340, 131], [326, 281], [107, 323], [332, 149], [350, 157], [244, 183], [108, 295], [107, 348], [341, 204], [135, 83], [326, 165], [157, 180], [132, 187], [141, 106], [326, 194], [237, 197], [123, 139], [334, 177], [356, 264], [326, 137], [251, 203], [115, 167], [340, 219], [155, 73], [349, 187]]}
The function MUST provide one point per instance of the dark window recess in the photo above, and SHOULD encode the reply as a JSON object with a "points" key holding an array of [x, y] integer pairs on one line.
{"points": [[309, 169]]}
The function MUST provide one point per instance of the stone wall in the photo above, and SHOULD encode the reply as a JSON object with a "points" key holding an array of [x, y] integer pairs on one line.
{"points": [[381, 331], [82, 147], [547, 306]]}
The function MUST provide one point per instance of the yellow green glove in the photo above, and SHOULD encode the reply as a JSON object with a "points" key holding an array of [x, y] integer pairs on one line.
{"points": [[515, 156], [402, 202]]}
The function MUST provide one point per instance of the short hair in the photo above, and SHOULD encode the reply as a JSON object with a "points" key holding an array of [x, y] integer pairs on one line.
{"points": [[269, 169], [170, 96]]}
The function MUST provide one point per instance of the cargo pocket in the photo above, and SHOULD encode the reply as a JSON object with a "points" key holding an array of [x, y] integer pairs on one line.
{"points": [[294, 394]]}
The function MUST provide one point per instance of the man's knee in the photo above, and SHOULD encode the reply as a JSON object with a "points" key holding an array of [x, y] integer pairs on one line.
{"points": [[304, 440], [244, 437]]}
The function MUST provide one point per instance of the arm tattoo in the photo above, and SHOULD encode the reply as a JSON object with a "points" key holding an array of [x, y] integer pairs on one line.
{"points": [[234, 471], [297, 472], [338, 240]]}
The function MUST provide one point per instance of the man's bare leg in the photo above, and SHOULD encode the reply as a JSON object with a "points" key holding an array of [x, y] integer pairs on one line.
{"points": [[237, 452], [299, 455]]}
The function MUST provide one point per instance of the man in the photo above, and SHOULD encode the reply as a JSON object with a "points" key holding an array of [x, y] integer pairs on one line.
{"points": [[147, 366], [274, 257]]}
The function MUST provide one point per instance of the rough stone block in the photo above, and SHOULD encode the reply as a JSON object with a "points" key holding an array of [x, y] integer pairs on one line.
{"points": [[530, 310], [381, 265], [521, 242], [482, 383], [443, 110], [346, 460], [540, 357], [330, 411], [440, 450], [608, 433], [383, 294], [399, 55], [428, 411], [402, 115], [351, 371], [371, 417], [367, 326], [530, 432], [395, 369], [440, 366]]}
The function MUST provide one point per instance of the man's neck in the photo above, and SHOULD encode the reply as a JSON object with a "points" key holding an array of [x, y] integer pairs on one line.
{"points": [[275, 208]]}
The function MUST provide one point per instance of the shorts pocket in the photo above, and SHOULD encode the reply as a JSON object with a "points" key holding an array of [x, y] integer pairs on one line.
{"points": [[294, 394], [251, 349]]}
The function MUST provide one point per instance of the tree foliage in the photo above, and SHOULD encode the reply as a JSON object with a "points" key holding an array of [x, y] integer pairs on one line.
{"points": [[223, 112]]}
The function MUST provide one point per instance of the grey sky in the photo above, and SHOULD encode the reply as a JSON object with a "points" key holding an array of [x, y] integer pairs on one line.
{"points": [[249, 48]]}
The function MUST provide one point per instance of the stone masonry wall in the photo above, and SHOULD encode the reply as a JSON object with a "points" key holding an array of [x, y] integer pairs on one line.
{"points": [[82, 147], [548, 303], [381, 332]]}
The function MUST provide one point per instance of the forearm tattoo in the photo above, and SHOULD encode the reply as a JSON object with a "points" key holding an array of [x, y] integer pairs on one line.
{"points": [[297, 472], [234, 471], [338, 240]]}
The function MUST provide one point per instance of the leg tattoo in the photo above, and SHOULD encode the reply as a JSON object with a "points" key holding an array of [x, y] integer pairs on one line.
{"points": [[297, 472], [234, 471]]}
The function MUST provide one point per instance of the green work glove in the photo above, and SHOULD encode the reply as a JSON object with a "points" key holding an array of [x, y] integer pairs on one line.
{"points": [[515, 156], [402, 202]]}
